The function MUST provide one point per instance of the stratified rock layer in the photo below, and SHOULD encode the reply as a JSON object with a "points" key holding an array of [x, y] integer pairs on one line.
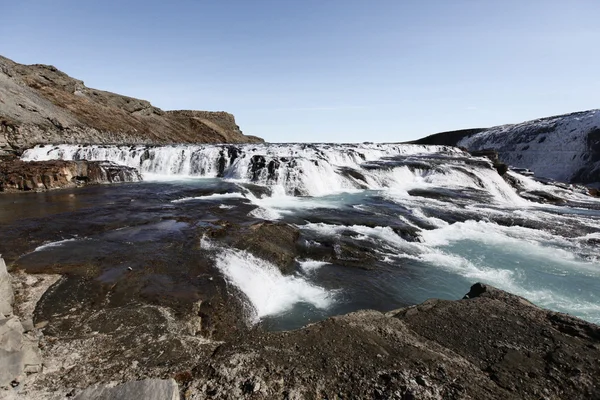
{"points": [[16, 175], [40, 104]]}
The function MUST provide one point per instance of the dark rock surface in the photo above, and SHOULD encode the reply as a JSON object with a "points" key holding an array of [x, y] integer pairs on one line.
{"points": [[493, 345], [489, 345], [16, 175], [275, 242], [492, 155], [40, 104]]}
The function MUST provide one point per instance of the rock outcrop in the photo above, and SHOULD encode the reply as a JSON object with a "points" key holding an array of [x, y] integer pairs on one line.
{"points": [[41, 105], [16, 175], [565, 147], [19, 352], [492, 345], [275, 242], [147, 389], [6, 292]]}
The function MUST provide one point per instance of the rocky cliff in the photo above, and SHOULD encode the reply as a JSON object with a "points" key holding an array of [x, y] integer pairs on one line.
{"points": [[565, 147], [40, 104]]}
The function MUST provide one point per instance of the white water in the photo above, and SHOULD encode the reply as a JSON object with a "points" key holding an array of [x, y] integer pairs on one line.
{"points": [[312, 170], [514, 258], [304, 178], [55, 244], [212, 197], [267, 289], [310, 266], [308, 170]]}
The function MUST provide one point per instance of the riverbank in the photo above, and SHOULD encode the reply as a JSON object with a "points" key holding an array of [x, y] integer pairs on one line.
{"points": [[491, 344]]}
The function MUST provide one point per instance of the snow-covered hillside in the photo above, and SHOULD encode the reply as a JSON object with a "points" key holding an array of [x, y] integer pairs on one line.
{"points": [[565, 148]]}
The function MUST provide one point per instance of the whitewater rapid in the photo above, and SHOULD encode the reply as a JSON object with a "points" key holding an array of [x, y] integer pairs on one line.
{"points": [[431, 220]]}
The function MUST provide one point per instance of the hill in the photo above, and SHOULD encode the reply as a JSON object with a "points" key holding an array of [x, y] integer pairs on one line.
{"points": [[41, 105], [565, 147]]}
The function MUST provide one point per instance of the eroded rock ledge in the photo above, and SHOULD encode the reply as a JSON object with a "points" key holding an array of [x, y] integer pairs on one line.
{"points": [[16, 175]]}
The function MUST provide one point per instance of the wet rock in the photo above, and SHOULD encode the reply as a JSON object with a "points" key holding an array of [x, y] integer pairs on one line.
{"points": [[148, 389], [272, 241], [275, 242]]}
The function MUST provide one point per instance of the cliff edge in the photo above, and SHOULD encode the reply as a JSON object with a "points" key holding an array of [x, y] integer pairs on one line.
{"points": [[41, 105]]}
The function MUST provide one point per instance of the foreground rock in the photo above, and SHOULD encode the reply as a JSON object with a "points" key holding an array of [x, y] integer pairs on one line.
{"points": [[490, 345], [565, 147], [42, 105], [19, 353], [6, 292], [16, 175], [148, 389], [493, 345]]}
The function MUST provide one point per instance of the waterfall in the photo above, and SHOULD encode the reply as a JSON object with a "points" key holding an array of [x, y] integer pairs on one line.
{"points": [[303, 169]]}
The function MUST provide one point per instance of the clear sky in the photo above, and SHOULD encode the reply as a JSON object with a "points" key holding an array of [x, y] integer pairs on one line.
{"points": [[325, 70]]}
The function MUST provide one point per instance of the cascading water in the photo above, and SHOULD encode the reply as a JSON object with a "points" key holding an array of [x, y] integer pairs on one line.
{"points": [[424, 221], [306, 170]]}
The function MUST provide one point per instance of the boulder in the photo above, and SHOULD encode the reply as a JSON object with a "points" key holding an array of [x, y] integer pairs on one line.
{"points": [[275, 242], [19, 353], [147, 389], [6, 292], [272, 241]]}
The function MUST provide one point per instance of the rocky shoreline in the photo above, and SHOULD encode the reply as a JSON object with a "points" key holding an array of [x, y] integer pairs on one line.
{"points": [[491, 344]]}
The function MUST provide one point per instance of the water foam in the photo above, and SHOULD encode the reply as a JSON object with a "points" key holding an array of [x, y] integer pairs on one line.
{"points": [[211, 197], [310, 266], [267, 289], [55, 244]]}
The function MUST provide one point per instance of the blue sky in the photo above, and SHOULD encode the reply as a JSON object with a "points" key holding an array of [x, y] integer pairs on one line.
{"points": [[335, 71]]}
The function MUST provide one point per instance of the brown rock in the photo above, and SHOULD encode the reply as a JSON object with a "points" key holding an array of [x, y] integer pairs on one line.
{"points": [[42, 105], [16, 175]]}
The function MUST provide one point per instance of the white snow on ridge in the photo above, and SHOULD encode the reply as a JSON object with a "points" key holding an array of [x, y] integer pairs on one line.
{"points": [[555, 147]]}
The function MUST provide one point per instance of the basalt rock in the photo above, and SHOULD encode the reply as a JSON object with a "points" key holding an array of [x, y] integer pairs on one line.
{"points": [[272, 241], [6, 292], [491, 345], [16, 175], [492, 155], [42, 105]]}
